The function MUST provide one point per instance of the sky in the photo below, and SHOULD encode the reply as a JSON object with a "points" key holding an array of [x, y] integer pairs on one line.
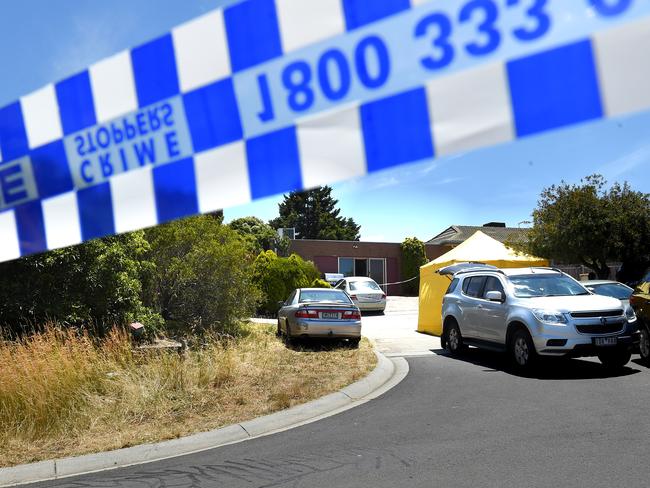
{"points": [[46, 40]]}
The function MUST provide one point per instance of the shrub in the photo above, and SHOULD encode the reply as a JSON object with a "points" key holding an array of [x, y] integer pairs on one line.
{"points": [[413, 256], [277, 277], [202, 280], [320, 283], [192, 274], [96, 284]]}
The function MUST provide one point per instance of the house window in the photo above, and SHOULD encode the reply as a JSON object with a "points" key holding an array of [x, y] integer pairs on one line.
{"points": [[346, 266]]}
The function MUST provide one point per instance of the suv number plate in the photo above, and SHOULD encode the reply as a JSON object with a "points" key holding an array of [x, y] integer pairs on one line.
{"points": [[605, 341]]}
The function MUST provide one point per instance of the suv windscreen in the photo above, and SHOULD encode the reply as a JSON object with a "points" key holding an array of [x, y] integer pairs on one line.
{"points": [[472, 287], [546, 285]]}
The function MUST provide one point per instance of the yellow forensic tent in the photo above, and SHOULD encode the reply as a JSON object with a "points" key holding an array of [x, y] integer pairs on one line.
{"points": [[479, 248]]}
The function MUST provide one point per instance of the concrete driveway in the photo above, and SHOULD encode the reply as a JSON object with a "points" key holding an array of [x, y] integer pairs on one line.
{"points": [[395, 332]]}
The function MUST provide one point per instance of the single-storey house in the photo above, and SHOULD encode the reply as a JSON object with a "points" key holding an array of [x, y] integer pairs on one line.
{"points": [[382, 261]]}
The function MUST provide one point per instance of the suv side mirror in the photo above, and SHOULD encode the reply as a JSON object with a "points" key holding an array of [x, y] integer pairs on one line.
{"points": [[494, 296]]}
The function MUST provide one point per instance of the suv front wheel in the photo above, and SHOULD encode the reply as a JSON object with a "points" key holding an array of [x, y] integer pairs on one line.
{"points": [[453, 338], [522, 349]]}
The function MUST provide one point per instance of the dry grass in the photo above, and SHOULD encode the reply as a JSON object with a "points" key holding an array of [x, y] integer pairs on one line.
{"points": [[62, 395]]}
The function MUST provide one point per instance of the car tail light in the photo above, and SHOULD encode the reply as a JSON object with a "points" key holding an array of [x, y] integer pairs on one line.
{"points": [[306, 314], [351, 315]]}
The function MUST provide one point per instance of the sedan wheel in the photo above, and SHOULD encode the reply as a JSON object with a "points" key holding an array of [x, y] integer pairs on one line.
{"points": [[287, 335], [644, 344]]}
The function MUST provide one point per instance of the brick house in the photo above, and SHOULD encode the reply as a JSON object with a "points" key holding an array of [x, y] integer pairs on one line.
{"points": [[382, 261]]}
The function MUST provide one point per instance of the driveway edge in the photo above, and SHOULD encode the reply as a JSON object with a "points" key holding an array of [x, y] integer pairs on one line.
{"points": [[387, 374]]}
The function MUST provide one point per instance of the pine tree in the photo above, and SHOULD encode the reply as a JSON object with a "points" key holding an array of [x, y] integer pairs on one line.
{"points": [[315, 215]]}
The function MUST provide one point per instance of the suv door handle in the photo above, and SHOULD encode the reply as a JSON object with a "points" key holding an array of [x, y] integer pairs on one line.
{"points": [[479, 306]]}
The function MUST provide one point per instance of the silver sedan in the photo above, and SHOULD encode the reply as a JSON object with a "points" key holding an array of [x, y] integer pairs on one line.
{"points": [[365, 293], [320, 312]]}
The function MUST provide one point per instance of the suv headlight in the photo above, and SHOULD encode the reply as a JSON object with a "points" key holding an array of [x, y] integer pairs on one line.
{"points": [[550, 316], [629, 314]]}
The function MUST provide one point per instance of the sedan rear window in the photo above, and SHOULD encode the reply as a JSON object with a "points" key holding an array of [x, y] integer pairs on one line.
{"points": [[336, 296], [364, 286]]}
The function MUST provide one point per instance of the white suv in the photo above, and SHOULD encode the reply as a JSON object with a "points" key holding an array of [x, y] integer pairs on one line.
{"points": [[531, 312]]}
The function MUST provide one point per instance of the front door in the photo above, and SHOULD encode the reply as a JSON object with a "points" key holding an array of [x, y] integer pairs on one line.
{"points": [[492, 315], [377, 271], [360, 267]]}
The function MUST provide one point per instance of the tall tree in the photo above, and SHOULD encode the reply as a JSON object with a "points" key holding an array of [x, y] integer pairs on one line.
{"points": [[315, 216], [592, 225]]}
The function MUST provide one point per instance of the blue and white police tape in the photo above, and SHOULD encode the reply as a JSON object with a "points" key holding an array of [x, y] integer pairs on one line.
{"points": [[268, 96]]}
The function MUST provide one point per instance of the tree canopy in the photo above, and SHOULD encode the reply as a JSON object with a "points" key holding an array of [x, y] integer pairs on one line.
{"points": [[314, 215], [591, 224], [260, 235]]}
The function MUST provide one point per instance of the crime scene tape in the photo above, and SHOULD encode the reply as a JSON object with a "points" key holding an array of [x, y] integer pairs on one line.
{"points": [[268, 96]]}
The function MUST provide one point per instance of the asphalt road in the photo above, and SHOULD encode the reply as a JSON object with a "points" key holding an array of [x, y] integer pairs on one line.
{"points": [[451, 422]]}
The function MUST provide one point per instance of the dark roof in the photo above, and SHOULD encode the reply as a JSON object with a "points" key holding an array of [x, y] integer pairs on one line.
{"points": [[457, 234]]}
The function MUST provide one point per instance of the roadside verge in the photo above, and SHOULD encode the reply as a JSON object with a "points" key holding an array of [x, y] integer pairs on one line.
{"points": [[387, 374]]}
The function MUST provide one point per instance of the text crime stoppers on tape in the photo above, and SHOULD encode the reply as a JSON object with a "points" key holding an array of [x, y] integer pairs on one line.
{"points": [[269, 96]]}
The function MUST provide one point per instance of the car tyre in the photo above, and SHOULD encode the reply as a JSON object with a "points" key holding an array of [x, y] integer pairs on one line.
{"points": [[644, 345], [354, 342], [522, 350], [288, 339], [278, 331], [454, 339], [615, 359]]}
